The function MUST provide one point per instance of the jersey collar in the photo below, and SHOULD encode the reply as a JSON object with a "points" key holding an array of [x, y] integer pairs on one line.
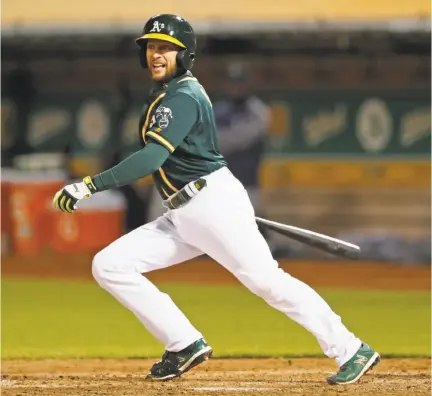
{"points": [[158, 87], [176, 79]]}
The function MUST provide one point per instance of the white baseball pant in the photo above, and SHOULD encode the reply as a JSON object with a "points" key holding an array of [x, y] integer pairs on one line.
{"points": [[220, 222]]}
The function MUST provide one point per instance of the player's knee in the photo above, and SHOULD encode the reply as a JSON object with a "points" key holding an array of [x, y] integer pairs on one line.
{"points": [[255, 282], [265, 284], [101, 265]]}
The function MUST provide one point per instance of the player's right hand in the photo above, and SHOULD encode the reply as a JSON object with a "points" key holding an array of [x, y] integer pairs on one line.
{"points": [[67, 198]]}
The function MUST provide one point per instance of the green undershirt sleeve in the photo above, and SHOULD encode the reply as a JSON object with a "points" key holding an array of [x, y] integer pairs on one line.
{"points": [[138, 165]]}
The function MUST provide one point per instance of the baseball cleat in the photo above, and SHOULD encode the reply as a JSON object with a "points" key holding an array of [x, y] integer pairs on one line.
{"points": [[174, 364], [364, 359]]}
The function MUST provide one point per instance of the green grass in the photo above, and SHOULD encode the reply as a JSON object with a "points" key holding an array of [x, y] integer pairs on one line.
{"points": [[53, 319]]}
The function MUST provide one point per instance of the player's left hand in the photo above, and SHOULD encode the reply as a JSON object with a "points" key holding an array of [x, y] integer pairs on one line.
{"points": [[67, 198]]}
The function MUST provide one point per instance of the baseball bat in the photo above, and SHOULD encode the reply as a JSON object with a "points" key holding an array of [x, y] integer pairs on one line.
{"points": [[326, 243]]}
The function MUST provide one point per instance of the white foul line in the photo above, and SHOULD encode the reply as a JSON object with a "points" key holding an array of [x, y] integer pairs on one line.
{"points": [[216, 389]]}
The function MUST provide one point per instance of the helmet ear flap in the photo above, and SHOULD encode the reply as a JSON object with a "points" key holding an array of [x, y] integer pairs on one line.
{"points": [[185, 59]]}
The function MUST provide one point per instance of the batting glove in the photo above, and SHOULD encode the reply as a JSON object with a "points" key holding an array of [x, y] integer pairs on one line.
{"points": [[67, 198]]}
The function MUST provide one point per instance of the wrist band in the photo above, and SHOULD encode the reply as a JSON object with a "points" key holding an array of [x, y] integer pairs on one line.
{"points": [[90, 185]]}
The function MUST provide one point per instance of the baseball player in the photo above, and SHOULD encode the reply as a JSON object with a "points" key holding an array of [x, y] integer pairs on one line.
{"points": [[208, 212]]}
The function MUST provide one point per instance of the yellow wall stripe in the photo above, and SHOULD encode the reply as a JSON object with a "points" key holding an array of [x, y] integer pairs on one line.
{"points": [[282, 173], [144, 128], [161, 36], [164, 178], [49, 11], [162, 141]]}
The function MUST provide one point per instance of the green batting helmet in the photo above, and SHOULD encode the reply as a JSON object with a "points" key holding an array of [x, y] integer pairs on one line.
{"points": [[170, 28]]}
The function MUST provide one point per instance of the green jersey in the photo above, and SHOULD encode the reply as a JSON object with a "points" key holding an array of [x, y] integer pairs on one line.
{"points": [[179, 116]]}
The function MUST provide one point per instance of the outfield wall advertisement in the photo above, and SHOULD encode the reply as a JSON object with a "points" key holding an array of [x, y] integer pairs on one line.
{"points": [[333, 126]]}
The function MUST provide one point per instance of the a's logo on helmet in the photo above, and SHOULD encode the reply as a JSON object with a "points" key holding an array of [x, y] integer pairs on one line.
{"points": [[157, 27]]}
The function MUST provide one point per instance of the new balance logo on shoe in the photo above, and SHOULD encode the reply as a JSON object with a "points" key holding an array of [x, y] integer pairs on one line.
{"points": [[361, 360], [350, 372]]}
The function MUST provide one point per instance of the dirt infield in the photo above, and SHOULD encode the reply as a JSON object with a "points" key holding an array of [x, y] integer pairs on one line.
{"points": [[326, 273], [394, 377]]}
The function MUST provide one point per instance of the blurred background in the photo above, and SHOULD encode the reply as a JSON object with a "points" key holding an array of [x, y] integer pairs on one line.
{"points": [[323, 109]]}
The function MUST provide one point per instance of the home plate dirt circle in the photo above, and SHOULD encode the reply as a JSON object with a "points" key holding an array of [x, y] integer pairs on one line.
{"points": [[109, 377]]}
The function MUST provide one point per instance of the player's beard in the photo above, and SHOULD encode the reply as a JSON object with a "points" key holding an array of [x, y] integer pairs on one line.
{"points": [[169, 73]]}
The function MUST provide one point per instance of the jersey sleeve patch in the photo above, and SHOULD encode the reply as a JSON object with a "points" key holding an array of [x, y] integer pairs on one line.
{"points": [[163, 116], [160, 139], [173, 120]]}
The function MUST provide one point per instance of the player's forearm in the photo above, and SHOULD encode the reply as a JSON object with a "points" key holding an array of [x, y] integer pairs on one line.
{"points": [[136, 166]]}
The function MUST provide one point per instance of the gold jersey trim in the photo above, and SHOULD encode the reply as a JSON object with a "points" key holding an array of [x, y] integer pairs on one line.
{"points": [[165, 179], [164, 142], [187, 79]]}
